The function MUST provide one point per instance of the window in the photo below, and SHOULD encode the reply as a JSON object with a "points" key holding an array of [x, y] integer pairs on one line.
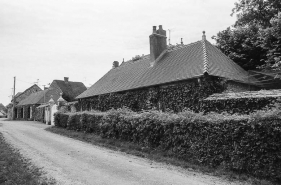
{"points": [[30, 115], [22, 112]]}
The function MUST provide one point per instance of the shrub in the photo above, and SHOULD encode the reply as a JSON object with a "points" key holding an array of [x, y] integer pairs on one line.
{"points": [[248, 144]]}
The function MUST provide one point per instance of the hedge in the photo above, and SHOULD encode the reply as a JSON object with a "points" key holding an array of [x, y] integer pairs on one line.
{"points": [[246, 144], [239, 105]]}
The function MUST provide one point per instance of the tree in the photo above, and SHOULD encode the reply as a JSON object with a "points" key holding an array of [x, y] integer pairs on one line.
{"points": [[258, 12], [271, 37], [254, 40]]}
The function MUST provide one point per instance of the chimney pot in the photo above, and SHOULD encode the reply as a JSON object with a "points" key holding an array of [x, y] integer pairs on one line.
{"points": [[160, 31], [66, 79], [181, 41], [154, 29]]}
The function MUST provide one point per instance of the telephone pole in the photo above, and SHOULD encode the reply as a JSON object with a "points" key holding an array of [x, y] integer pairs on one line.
{"points": [[13, 112]]}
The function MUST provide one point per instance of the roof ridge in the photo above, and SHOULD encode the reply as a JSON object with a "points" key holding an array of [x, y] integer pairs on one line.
{"points": [[205, 57], [181, 46]]}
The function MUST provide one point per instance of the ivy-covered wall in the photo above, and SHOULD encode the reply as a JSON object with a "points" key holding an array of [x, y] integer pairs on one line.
{"points": [[172, 97], [39, 114]]}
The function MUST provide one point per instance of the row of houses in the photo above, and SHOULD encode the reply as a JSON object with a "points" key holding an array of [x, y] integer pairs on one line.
{"points": [[37, 104], [170, 77]]}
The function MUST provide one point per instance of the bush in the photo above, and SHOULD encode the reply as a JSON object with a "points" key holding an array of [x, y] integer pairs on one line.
{"points": [[249, 144], [239, 105]]}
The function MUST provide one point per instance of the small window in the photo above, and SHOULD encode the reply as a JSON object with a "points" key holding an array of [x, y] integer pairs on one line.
{"points": [[22, 113]]}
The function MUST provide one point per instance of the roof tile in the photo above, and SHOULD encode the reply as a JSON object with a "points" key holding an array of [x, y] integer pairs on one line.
{"points": [[178, 63]]}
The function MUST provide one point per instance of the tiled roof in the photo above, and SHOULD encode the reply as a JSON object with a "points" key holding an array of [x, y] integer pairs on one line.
{"points": [[38, 97], [178, 63], [246, 94], [2, 113], [70, 89], [34, 98], [22, 95], [2, 107], [18, 94]]}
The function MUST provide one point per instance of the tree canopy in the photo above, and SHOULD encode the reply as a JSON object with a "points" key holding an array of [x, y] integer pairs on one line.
{"points": [[254, 41]]}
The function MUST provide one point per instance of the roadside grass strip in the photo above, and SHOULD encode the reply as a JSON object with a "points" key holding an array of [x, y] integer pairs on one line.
{"points": [[155, 155], [16, 170]]}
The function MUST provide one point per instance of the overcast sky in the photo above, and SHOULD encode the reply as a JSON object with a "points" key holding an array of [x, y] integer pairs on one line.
{"points": [[79, 39]]}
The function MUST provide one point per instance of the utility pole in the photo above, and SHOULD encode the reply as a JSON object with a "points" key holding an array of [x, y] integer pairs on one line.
{"points": [[44, 92], [13, 112]]}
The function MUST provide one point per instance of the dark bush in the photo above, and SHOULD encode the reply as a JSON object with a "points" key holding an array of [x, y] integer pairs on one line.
{"points": [[239, 105]]}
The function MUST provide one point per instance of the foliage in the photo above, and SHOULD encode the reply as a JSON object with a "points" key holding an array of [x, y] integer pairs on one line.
{"points": [[257, 12], [239, 105], [248, 144], [254, 40], [137, 57], [39, 114], [174, 97], [242, 45]]}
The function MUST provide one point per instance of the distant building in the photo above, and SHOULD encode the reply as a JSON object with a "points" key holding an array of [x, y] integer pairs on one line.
{"points": [[3, 111], [34, 106], [22, 95]]}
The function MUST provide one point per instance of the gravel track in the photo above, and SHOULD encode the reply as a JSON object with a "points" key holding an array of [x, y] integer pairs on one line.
{"points": [[70, 161]]}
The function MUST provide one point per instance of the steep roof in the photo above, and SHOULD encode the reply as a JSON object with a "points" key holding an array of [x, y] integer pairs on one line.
{"points": [[34, 98], [2, 113], [22, 95], [177, 63], [70, 89], [40, 97], [18, 94], [3, 108]]}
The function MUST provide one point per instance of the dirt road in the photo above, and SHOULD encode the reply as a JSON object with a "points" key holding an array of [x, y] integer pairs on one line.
{"points": [[74, 162]]}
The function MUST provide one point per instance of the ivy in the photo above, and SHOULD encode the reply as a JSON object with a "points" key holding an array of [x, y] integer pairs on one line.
{"points": [[239, 105], [173, 97]]}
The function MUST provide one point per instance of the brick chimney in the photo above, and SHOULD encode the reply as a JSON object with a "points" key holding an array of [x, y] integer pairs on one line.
{"points": [[115, 64], [158, 42], [66, 79]]}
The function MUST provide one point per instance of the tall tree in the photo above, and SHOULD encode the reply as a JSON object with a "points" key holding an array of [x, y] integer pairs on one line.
{"points": [[254, 40]]}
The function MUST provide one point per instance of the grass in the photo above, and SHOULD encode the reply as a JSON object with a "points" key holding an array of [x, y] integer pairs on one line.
{"points": [[14, 169], [155, 155]]}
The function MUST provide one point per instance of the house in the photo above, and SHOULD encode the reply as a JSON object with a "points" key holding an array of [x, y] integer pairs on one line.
{"points": [[3, 111], [20, 96], [3, 108], [168, 78], [3, 114], [34, 107]]}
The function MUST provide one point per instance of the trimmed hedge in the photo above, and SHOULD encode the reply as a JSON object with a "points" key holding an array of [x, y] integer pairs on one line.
{"points": [[248, 144]]}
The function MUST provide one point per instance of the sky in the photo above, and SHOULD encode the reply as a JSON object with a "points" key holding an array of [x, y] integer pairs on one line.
{"points": [[44, 40]]}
